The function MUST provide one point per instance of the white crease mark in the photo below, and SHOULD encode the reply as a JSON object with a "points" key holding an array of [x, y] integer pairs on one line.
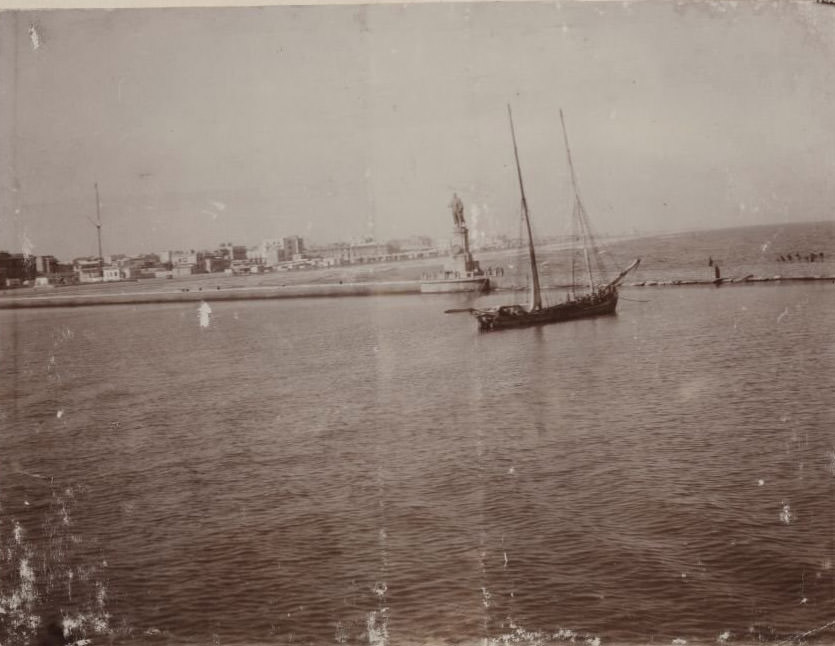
{"points": [[808, 633], [34, 37], [786, 515], [377, 633], [27, 580], [26, 245], [204, 313]]}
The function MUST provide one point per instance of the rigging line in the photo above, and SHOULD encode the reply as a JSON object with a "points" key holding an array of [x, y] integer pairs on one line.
{"points": [[574, 238], [518, 256], [579, 210], [588, 232]]}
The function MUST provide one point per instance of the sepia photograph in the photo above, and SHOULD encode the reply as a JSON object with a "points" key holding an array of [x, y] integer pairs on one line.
{"points": [[497, 323]]}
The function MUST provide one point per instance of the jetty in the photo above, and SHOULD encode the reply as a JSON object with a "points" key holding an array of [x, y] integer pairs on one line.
{"points": [[742, 280], [203, 293]]}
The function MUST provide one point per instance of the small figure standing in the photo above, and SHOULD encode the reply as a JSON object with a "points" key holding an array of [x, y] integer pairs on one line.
{"points": [[457, 210]]}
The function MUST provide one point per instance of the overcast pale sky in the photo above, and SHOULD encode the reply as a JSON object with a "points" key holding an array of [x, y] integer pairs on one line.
{"points": [[213, 125]]}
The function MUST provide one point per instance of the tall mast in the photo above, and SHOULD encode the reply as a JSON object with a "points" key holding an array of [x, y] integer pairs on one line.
{"points": [[536, 298], [579, 212], [98, 230]]}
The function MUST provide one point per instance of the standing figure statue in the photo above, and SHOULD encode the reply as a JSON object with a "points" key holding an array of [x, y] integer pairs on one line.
{"points": [[457, 210]]}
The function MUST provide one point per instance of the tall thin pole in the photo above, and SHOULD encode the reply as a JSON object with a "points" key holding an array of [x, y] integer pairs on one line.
{"points": [[98, 230], [536, 298]]}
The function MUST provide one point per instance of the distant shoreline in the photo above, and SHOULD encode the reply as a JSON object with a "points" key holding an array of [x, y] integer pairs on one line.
{"points": [[749, 260]]}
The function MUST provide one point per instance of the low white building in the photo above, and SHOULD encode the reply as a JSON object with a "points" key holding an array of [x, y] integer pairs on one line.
{"points": [[88, 270], [179, 270], [180, 258]]}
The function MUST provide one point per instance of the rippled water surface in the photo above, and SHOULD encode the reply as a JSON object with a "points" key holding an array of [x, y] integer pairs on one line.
{"points": [[372, 470]]}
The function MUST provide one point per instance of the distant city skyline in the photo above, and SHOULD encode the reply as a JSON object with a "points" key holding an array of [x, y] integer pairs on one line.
{"points": [[336, 122]]}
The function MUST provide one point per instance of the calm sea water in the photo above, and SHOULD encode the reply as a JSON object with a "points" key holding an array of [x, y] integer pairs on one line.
{"points": [[374, 471]]}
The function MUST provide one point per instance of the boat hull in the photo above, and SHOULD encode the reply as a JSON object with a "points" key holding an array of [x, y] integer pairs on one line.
{"points": [[504, 318], [453, 285]]}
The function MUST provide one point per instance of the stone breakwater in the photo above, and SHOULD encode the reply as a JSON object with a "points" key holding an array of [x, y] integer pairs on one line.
{"points": [[319, 290], [732, 281], [213, 294]]}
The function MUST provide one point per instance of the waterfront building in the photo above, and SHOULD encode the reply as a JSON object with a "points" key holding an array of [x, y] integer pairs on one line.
{"points": [[16, 269], [88, 270], [239, 267], [91, 270], [178, 271], [293, 247], [332, 254], [136, 266], [60, 274], [367, 250], [361, 251], [272, 252], [179, 258], [46, 265], [214, 262], [412, 248]]}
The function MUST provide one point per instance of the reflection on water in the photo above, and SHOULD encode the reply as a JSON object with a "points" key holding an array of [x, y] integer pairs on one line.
{"points": [[373, 470]]}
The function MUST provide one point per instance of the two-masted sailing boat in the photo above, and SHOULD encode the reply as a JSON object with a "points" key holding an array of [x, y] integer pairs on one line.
{"points": [[599, 299]]}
